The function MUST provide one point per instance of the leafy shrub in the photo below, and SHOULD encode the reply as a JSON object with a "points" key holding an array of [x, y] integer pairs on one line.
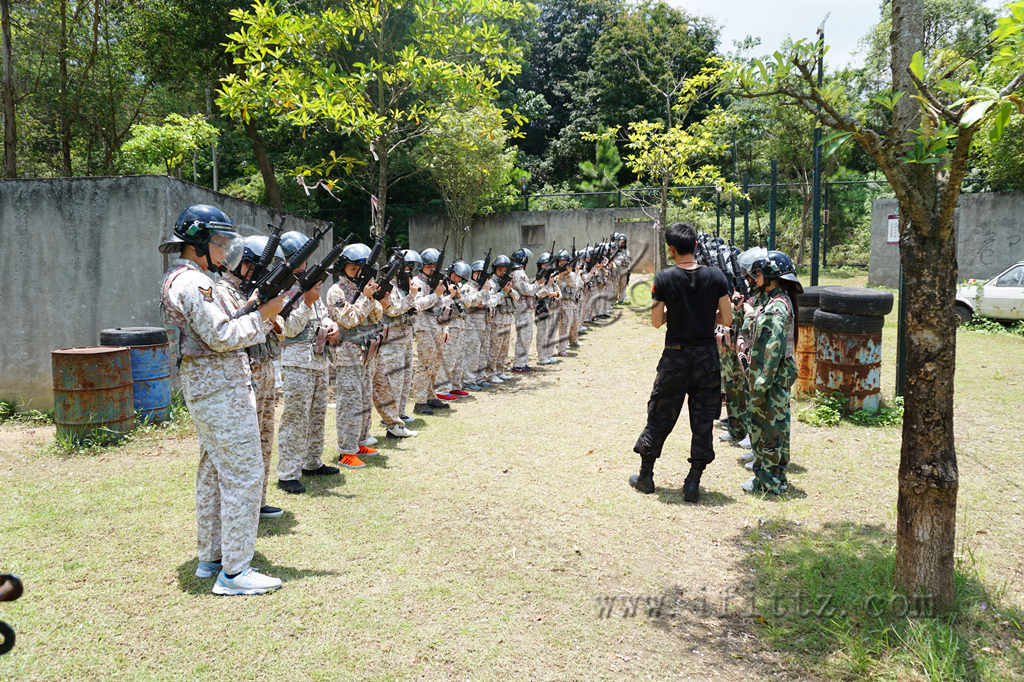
{"points": [[830, 410]]}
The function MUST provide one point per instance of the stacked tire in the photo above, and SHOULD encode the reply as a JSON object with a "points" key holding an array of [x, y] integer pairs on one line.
{"points": [[808, 302], [848, 341], [151, 369]]}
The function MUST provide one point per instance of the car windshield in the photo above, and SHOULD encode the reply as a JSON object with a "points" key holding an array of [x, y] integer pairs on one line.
{"points": [[1011, 278]]}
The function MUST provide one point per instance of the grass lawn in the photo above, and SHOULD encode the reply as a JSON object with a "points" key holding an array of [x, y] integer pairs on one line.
{"points": [[504, 542]]}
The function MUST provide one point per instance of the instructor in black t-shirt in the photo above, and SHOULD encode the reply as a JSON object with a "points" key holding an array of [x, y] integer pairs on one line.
{"points": [[691, 298]]}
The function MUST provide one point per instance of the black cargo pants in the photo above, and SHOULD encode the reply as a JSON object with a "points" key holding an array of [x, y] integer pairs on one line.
{"points": [[692, 371]]}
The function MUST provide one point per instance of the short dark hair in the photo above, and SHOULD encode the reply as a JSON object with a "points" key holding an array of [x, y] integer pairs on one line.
{"points": [[682, 237]]}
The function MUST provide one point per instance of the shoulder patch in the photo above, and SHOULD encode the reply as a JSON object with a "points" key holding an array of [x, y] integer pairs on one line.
{"points": [[207, 293]]}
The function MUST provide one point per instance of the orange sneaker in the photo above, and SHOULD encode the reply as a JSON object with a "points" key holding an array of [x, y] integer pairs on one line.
{"points": [[363, 450], [351, 461]]}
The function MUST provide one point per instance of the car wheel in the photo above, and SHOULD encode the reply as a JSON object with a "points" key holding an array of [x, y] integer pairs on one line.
{"points": [[963, 313]]}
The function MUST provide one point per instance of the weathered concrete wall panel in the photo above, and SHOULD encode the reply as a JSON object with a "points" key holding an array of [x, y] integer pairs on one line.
{"points": [[79, 255], [990, 236], [506, 232]]}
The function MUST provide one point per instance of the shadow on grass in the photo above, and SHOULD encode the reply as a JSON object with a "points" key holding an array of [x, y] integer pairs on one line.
{"points": [[188, 582], [821, 604], [323, 486], [826, 599], [284, 525], [708, 498]]}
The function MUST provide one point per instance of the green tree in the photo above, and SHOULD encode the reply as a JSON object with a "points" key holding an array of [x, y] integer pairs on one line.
{"points": [[552, 88], [381, 72], [677, 152], [933, 112], [465, 153], [169, 144], [655, 44], [602, 174]]}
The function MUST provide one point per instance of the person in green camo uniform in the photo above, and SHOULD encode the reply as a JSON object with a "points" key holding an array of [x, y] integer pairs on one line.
{"points": [[772, 371], [730, 346]]}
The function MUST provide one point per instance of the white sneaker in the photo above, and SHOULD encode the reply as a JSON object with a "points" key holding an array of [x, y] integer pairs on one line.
{"points": [[401, 431], [747, 456], [745, 443], [749, 466], [248, 581], [496, 379], [506, 376], [369, 441], [722, 424], [725, 437], [749, 485]]}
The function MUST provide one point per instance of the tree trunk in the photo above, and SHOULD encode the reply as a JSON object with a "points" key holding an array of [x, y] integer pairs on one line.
{"points": [[928, 476], [10, 130], [660, 258], [383, 169], [63, 116], [263, 161]]}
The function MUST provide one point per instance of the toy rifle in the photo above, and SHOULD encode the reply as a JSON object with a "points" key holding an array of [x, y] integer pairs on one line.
{"points": [[266, 258], [435, 277], [368, 270], [315, 275], [282, 277], [387, 273], [487, 264]]}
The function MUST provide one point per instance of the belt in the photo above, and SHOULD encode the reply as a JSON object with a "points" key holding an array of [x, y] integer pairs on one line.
{"points": [[695, 344]]}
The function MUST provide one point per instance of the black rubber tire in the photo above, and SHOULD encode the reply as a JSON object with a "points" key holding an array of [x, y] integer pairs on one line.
{"points": [[963, 313], [807, 314], [855, 301], [847, 324], [133, 336], [811, 298]]}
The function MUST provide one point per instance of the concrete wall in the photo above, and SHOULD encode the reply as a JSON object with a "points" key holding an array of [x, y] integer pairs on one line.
{"points": [[506, 232], [80, 255], [990, 236]]}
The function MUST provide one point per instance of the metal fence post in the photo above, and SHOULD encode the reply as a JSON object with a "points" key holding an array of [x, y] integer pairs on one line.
{"points": [[746, 211], [772, 204], [718, 214], [827, 224]]}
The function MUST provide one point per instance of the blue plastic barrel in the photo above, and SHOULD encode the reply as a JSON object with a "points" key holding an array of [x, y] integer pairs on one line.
{"points": [[151, 369]]}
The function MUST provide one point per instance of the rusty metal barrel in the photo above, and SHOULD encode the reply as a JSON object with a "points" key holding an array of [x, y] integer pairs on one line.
{"points": [[806, 347], [92, 391], [151, 369], [848, 336]]}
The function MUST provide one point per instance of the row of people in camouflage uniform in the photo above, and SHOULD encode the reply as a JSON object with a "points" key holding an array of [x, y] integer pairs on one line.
{"points": [[458, 330], [758, 367]]}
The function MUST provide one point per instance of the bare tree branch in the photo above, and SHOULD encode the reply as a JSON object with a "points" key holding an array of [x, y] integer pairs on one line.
{"points": [[938, 106]]}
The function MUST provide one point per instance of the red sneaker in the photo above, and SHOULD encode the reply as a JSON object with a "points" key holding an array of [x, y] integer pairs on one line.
{"points": [[447, 396], [363, 450], [460, 393]]}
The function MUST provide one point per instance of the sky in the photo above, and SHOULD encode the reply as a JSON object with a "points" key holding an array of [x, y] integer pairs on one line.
{"points": [[772, 22]]}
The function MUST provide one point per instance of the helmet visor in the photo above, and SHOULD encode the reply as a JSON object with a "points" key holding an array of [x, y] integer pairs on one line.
{"points": [[231, 244]]}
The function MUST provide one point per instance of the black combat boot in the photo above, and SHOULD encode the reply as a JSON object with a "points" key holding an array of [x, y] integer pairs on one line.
{"points": [[644, 481], [691, 486]]}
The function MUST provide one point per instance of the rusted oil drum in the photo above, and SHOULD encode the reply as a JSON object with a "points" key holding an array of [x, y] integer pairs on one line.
{"points": [[848, 335], [92, 390], [806, 358], [151, 369], [808, 302]]}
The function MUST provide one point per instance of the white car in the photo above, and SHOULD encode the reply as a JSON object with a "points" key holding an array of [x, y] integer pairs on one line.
{"points": [[1001, 298]]}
